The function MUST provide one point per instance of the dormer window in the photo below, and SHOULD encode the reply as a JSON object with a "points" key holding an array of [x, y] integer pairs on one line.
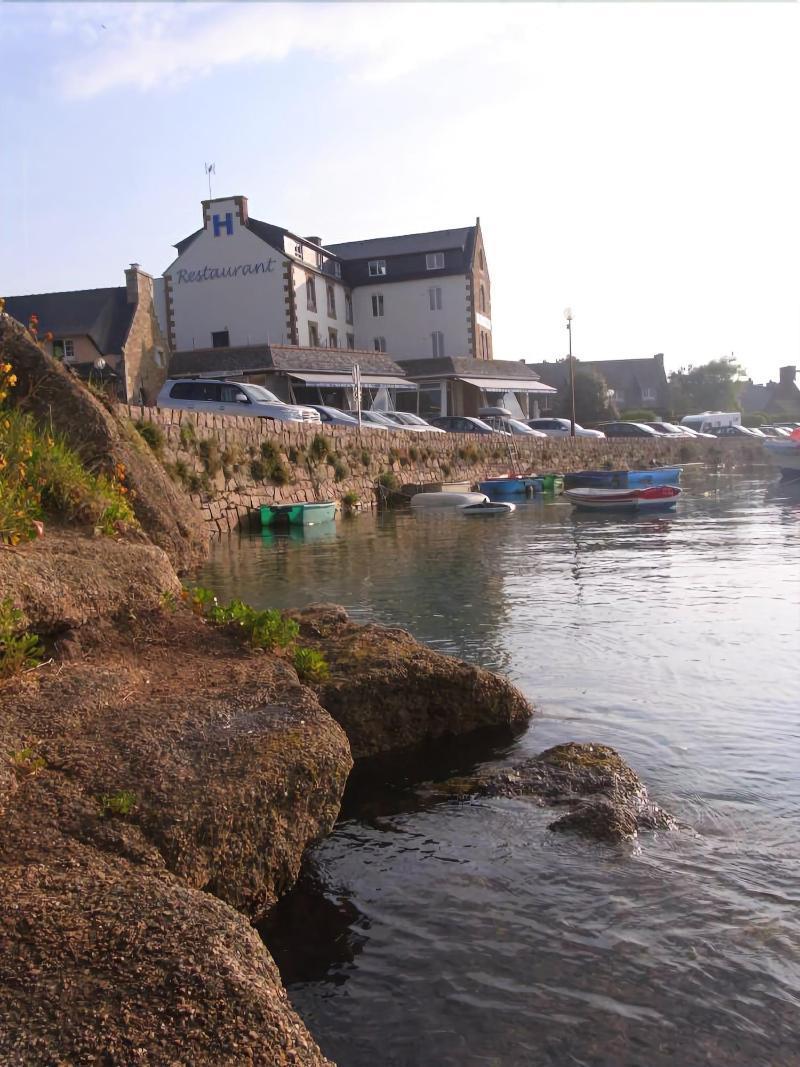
{"points": [[298, 251], [377, 267], [434, 261], [337, 270]]}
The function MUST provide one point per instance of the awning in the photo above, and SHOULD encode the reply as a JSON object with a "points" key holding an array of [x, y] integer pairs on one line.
{"points": [[343, 380], [509, 385]]}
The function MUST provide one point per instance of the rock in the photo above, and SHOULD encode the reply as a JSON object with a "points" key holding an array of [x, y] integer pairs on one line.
{"points": [[389, 692], [48, 391], [70, 578], [607, 800]]}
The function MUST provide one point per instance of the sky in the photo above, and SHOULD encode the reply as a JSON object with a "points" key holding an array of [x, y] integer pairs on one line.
{"points": [[639, 163]]}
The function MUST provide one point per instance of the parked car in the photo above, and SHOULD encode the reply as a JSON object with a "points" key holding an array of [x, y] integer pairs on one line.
{"points": [[333, 416], [222, 397], [504, 424], [406, 421], [461, 424], [375, 420], [628, 429], [776, 432], [561, 428], [669, 429], [688, 431], [735, 431]]}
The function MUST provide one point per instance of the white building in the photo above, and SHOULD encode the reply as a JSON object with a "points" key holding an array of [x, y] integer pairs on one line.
{"points": [[238, 281]]}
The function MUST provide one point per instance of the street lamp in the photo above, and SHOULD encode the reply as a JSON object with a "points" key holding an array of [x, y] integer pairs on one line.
{"points": [[568, 317]]}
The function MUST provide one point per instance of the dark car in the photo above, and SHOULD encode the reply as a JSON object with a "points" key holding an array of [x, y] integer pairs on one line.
{"points": [[461, 424], [628, 429]]}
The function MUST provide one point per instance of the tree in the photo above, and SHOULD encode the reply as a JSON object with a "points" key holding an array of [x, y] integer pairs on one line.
{"points": [[709, 387], [592, 402]]}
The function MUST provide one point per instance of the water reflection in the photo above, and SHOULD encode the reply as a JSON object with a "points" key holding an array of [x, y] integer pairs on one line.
{"points": [[464, 933]]}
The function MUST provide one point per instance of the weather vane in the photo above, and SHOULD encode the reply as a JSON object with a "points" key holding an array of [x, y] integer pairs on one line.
{"points": [[210, 169]]}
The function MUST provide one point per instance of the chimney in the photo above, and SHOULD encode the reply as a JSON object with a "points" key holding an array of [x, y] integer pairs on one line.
{"points": [[787, 376], [313, 240], [138, 284], [659, 358]]}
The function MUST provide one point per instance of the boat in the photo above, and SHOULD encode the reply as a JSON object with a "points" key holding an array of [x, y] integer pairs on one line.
{"points": [[447, 500], [509, 485], [786, 454], [490, 507], [650, 498], [306, 513], [623, 479]]}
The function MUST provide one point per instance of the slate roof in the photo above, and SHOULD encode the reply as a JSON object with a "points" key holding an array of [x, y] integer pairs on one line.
{"points": [[778, 398], [252, 359], [467, 367], [631, 377], [380, 247], [103, 315]]}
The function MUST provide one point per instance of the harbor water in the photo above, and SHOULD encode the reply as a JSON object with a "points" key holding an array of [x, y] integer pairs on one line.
{"points": [[429, 933]]}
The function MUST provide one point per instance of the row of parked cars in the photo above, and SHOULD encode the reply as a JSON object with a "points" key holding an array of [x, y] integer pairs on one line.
{"points": [[245, 398]]}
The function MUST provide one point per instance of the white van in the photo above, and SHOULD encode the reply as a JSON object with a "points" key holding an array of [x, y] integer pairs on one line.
{"points": [[222, 397], [712, 420]]}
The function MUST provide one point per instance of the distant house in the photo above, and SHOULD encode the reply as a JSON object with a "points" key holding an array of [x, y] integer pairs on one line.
{"points": [[302, 375], [781, 398], [109, 335], [636, 383]]}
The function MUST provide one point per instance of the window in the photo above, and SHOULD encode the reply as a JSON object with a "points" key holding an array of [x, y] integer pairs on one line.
{"points": [[337, 270], [333, 338], [434, 261], [484, 345], [435, 298], [348, 307], [648, 394], [311, 292], [64, 349], [319, 259], [379, 344], [377, 306], [377, 267], [159, 357], [202, 391], [437, 343], [232, 394], [313, 335], [298, 251], [331, 301], [220, 339], [482, 299], [351, 340]]}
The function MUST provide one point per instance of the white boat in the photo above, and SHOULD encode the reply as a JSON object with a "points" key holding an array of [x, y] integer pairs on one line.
{"points": [[490, 507], [447, 500], [786, 454], [650, 498]]}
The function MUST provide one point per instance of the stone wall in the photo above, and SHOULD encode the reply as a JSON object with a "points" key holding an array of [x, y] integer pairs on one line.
{"points": [[229, 464]]}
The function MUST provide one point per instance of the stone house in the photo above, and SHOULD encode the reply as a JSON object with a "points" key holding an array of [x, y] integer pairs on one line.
{"points": [[111, 336], [781, 398], [635, 383]]}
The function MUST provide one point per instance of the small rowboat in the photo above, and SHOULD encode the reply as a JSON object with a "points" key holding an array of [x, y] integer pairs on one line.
{"points": [[623, 479], [489, 507], [309, 513], [649, 499], [446, 500]]}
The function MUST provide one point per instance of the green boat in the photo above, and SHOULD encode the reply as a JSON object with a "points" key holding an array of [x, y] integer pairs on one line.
{"points": [[305, 514]]}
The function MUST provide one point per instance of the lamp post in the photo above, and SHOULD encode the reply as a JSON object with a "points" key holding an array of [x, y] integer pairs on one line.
{"points": [[568, 317]]}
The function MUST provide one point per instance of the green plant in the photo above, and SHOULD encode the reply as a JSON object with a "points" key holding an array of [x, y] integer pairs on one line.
{"points": [[319, 448], [350, 499], [366, 458], [188, 437], [18, 649], [169, 602], [122, 802], [311, 666], [388, 479], [638, 415], [413, 453], [25, 761], [210, 455], [394, 456], [340, 470], [199, 599], [152, 434], [258, 470], [270, 629]]}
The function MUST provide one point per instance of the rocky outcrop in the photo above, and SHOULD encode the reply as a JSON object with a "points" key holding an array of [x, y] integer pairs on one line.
{"points": [[104, 441], [70, 578], [388, 692], [604, 797]]}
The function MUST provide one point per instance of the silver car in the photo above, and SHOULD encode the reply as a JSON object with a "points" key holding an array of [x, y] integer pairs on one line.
{"points": [[561, 428], [406, 421], [221, 397]]}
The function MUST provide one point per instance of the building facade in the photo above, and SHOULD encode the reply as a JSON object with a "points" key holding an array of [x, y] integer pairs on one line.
{"points": [[239, 282]]}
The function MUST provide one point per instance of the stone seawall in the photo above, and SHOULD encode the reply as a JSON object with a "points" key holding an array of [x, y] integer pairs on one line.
{"points": [[230, 465]]}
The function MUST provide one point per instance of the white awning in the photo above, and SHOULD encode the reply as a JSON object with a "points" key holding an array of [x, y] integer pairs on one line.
{"points": [[343, 380], [509, 385]]}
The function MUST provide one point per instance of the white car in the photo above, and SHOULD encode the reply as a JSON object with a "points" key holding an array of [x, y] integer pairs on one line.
{"points": [[406, 421], [561, 428], [221, 397]]}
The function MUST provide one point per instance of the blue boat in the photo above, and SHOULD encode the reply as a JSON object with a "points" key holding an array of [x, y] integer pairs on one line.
{"points": [[623, 479], [510, 486]]}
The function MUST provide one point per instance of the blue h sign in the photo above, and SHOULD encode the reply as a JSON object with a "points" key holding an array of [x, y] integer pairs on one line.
{"points": [[221, 224]]}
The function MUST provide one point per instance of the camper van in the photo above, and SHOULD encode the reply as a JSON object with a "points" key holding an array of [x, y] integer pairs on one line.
{"points": [[707, 421]]}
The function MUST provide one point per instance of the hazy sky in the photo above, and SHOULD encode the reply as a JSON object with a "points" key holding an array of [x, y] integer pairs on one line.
{"points": [[639, 162]]}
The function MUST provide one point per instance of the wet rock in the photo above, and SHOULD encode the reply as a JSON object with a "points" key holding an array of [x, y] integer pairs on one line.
{"points": [[389, 692], [606, 798]]}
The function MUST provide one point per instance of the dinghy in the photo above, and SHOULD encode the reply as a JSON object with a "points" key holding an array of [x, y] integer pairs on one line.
{"points": [[490, 507], [446, 500], [653, 498]]}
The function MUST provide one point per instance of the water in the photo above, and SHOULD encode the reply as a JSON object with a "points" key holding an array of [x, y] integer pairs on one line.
{"points": [[466, 934]]}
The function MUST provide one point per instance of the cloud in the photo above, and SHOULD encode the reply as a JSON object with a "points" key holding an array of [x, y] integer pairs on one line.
{"points": [[151, 45]]}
